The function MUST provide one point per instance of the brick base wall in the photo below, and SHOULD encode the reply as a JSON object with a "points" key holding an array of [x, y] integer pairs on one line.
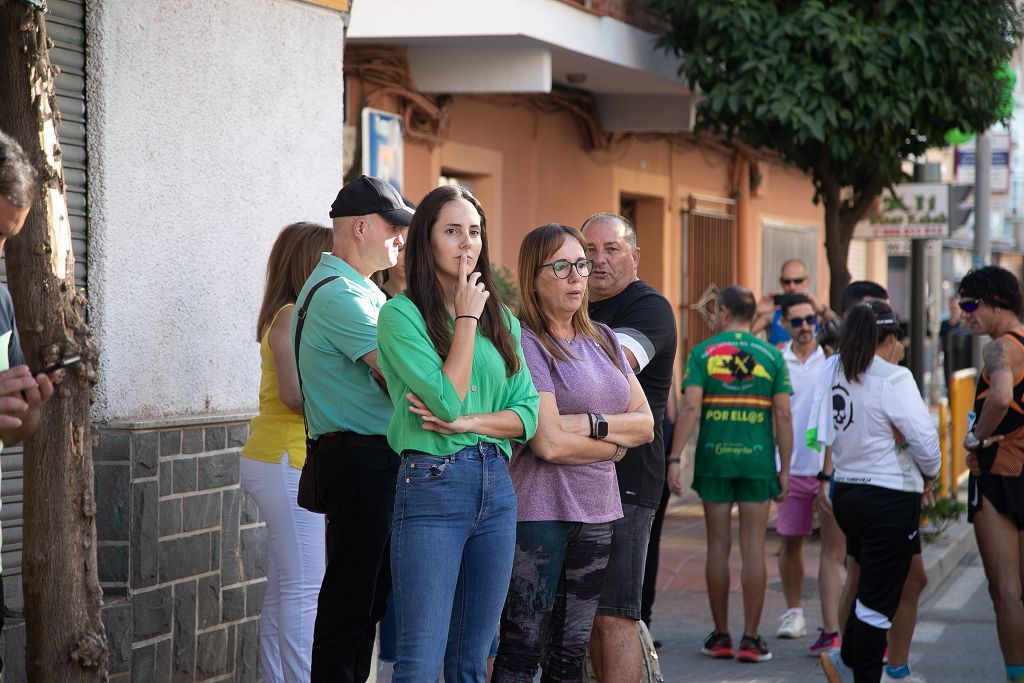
{"points": [[181, 550]]}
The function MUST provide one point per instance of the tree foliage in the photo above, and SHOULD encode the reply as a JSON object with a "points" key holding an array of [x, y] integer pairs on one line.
{"points": [[845, 90]]}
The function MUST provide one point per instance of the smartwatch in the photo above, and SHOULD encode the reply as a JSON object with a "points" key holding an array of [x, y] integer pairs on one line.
{"points": [[600, 426], [824, 477]]}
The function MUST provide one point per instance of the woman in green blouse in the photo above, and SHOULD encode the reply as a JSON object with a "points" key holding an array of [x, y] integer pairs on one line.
{"points": [[450, 352]]}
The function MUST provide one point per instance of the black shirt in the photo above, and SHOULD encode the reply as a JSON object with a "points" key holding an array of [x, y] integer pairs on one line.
{"points": [[644, 323]]}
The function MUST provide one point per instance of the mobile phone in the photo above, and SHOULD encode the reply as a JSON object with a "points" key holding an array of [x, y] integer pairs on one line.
{"points": [[777, 299], [62, 363]]}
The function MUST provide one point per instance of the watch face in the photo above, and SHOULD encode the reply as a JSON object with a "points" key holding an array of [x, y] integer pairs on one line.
{"points": [[602, 428]]}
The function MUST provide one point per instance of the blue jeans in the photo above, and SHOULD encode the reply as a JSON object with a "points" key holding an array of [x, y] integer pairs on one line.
{"points": [[452, 543]]}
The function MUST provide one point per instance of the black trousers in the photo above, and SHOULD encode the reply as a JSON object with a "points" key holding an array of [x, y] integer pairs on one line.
{"points": [[881, 527], [357, 485]]}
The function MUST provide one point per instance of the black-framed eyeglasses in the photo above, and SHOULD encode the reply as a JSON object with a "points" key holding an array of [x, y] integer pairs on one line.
{"points": [[562, 267], [810, 320], [969, 305], [792, 280]]}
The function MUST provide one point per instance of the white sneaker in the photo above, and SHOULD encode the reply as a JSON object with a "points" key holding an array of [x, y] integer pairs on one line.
{"points": [[912, 678], [835, 670], [793, 624]]}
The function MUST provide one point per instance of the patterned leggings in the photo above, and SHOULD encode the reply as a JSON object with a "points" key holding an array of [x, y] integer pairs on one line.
{"points": [[557, 576]]}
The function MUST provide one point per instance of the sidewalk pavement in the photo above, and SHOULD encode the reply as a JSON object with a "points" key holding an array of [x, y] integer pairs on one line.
{"points": [[682, 618]]}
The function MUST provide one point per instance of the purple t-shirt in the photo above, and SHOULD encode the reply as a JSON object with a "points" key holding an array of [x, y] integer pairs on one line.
{"points": [[587, 383]]}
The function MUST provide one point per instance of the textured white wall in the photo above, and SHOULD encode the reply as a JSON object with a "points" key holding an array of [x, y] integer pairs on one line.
{"points": [[212, 124]]}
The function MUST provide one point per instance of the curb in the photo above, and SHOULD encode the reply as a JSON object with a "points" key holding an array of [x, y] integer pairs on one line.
{"points": [[943, 554]]}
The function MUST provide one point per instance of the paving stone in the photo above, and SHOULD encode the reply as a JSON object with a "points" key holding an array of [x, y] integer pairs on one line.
{"points": [[112, 564], [151, 613], [254, 594], [208, 601], [113, 446], [253, 545], [233, 603], [170, 516], [145, 454], [215, 438], [184, 631], [238, 434], [211, 654], [220, 469], [201, 512], [170, 442], [192, 440], [185, 556], [112, 482], [184, 475], [248, 657], [117, 621], [144, 534]]}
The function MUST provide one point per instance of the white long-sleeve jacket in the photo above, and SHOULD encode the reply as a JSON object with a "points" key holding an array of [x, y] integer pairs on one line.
{"points": [[865, 450]]}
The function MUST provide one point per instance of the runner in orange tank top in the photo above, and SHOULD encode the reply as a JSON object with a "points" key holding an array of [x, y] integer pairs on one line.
{"points": [[993, 304]]}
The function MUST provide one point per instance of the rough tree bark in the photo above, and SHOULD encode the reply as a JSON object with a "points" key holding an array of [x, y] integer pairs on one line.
{"points": [[64, 632], [841, 218]]}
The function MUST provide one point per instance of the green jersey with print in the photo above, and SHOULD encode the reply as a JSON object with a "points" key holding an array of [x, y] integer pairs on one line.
{"points": [[739, 374]]}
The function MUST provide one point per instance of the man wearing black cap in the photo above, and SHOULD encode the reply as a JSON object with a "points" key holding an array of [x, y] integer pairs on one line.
{"points": [[347, 413]]}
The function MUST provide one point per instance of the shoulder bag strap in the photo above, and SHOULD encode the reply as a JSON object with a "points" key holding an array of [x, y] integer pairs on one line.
{"points": [[301, 320]]}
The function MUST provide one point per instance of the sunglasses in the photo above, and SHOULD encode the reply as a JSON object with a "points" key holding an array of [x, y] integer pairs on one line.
{"points": [[792, 281], [562, 267], [810, 320], [969, 305]]}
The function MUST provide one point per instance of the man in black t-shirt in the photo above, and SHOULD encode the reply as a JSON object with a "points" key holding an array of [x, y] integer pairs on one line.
{"points": [[645, 326]]}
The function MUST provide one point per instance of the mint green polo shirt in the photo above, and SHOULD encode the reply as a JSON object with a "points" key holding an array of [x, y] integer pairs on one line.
{"points": [[339, 392], [410, 364]]}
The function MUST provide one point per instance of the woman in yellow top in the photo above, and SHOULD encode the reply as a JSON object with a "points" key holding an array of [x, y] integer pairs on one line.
{"points": [[271, 462]]}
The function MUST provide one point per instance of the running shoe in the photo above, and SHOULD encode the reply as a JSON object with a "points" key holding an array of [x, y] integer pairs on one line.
{"points": [[717, 645], [753, 649], [826, 642], [793, 624], [835, 670], [911, 678]]}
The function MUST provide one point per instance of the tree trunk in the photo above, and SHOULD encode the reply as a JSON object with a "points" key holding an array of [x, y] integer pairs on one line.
{"points": [[837, 250], [64, 632]]}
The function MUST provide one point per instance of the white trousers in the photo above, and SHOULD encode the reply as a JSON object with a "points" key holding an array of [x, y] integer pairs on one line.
{"points": [[295, 570]]}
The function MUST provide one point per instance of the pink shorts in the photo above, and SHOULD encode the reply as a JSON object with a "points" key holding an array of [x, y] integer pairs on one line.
{"points": [[796, 513]]}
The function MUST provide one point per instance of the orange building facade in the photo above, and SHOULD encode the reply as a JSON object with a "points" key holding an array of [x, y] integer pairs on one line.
{"points": [[707, 214]]}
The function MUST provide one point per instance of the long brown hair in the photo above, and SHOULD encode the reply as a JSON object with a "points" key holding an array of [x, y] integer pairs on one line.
{"points": [[292, 258], [539, 245], [866, 326], [424, 289]]}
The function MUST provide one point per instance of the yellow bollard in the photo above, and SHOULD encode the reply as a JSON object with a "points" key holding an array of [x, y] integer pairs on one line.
{"points": [[961, 401], [944, 474]]}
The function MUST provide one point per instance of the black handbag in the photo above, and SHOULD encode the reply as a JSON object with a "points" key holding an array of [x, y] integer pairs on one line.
{"points": [[309, 490]]}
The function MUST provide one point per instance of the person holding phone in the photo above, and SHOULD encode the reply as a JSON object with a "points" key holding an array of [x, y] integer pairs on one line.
{"points": [[592, 409], [272, 459], [450, 353], [794, 280], [22, 392]]}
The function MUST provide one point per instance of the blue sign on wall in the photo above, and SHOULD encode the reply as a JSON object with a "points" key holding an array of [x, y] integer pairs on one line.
{"points": [[383, 146]]}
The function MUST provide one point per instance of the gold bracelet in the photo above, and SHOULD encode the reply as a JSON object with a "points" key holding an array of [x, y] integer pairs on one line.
{"points": [[620, 453]]}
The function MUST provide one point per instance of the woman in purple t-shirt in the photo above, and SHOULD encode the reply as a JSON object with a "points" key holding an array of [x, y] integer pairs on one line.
{"points": [[591, 410]]}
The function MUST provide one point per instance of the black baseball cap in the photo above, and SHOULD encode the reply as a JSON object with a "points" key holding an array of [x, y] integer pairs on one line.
{"points": [[366, 195]]}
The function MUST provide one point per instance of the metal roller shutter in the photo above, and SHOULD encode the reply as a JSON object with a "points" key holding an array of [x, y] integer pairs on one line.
{"points": [[66, 27]]}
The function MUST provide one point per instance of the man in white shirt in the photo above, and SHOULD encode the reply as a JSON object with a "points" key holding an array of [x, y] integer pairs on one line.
{"points": [[796, 513]]}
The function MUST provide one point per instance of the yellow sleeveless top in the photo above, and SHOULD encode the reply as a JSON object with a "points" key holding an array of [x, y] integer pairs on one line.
{"points": [[277, 428]]}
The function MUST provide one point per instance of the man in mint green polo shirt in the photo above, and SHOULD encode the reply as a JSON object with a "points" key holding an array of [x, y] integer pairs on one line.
{"points": [[347, 412]]}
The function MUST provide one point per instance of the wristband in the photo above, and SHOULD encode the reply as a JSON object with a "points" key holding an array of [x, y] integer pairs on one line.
{"points": [[620, 453], [590, 417], [675, 461], [972, 441], [468, 316], [823, 477]]}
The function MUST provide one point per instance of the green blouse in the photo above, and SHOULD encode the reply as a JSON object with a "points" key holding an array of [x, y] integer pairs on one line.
{"points": [[410, 364]]}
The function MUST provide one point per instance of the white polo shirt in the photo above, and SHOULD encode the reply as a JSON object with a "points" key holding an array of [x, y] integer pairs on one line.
{"points": [[806, 462]]}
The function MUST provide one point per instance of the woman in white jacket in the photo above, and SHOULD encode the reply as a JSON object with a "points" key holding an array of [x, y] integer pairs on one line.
{"points": [[885, 451]]}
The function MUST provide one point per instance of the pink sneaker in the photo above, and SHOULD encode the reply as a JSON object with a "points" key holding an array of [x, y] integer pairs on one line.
{"points": [[826, 642]]}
